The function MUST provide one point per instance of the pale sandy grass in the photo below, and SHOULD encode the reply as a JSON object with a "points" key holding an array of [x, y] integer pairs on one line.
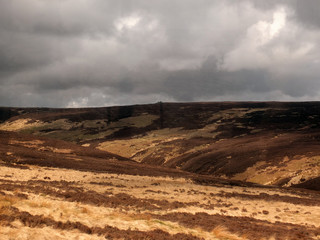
{"points": [[36, 143], [222, 232], [131, 147], [19, 124], [7, 200], [170, 190], [29, 144], [289, 168], [141, 146], [92, 216], [21, 232], [59, 174], [29, 124], [55, 150]]}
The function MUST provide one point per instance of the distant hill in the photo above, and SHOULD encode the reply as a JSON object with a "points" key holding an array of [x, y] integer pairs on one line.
{"points": [[271, 143]]}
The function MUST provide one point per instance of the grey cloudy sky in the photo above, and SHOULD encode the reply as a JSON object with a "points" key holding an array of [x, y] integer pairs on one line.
{"points": [[72, 53]]}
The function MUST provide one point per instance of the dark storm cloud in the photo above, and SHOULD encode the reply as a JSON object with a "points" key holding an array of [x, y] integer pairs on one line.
{"points": [[207, 81], [98, 52], [306, 12]]}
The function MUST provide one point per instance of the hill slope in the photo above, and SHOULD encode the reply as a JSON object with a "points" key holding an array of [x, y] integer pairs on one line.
{"points": [[51, 189], [265, 142]]}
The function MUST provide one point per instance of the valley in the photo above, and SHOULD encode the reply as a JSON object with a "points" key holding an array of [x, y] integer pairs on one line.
{"points": [[229, 170]]}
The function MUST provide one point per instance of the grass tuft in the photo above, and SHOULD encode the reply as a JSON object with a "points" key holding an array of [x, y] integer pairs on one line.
{"points": [[222, 233]]}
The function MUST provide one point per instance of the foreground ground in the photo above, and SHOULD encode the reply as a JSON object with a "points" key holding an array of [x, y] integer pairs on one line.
{"points": [[51, 189], [49, 203]]}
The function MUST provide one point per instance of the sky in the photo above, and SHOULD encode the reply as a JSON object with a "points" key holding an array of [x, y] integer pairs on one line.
{"points": [[86, 53]]}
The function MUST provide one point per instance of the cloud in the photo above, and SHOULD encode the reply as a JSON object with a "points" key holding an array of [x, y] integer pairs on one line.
{"points": [[94, 53], [308, 12]]}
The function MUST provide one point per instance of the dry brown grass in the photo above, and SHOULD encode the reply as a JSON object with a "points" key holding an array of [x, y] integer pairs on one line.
{"points": [[205, 199], [42, 204], [263, 173], [45, 233], [222, 233], [7, 200]]}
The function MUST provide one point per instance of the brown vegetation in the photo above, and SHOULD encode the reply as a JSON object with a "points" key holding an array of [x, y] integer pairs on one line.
{"points": [[183, 171]]}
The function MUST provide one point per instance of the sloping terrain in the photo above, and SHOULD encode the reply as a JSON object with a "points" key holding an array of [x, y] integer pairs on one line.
{"points": [[268, 143], [18, 150], [51, 189]]}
